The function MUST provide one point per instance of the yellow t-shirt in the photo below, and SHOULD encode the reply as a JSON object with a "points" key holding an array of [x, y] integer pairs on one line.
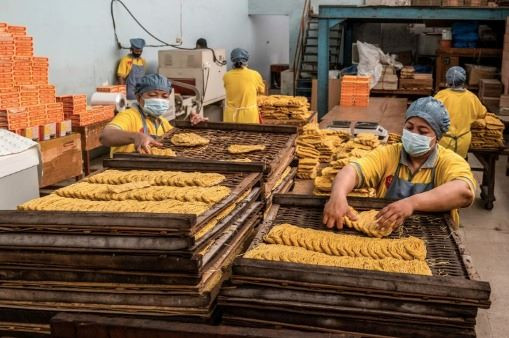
{"points": [[130, 120], [464, 108], [376, 170], [242, 86], [126, 63]]}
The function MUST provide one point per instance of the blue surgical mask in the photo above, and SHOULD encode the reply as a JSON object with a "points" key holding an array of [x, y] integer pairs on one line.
{"points": [[156, 107], [415, 144]]}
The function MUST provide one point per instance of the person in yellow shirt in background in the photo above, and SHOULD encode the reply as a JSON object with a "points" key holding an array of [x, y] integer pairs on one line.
{"points": [[242, 85], [464, 108], [131, 67], [418, 173], [136, 128]]}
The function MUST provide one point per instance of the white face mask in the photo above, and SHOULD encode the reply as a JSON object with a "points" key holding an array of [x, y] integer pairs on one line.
{"points": [[156, 107], [415, 144]]}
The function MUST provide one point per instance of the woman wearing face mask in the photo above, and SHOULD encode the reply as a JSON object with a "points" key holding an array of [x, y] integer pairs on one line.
{"points": [[420, 174], [136, 128], [131, 67], [464, 108]]}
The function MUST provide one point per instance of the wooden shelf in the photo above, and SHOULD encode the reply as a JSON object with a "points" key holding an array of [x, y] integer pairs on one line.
{"points": [[470, 52], [419, 92]]}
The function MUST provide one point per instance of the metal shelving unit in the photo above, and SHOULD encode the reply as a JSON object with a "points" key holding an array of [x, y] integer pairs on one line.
{"points": [[329, 16]]}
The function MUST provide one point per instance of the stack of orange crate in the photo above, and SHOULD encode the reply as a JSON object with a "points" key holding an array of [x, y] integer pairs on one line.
{"points": [[9, 97], [24, 84], [75, 109], [7, 47], [36, 115], [22, 70], [40, 70], [24, 45], [103, 113], [28, 95], [6, 66], [113, 89], [47, 93], [73, 104], [14, 119], [354, 91], [54, 112]]}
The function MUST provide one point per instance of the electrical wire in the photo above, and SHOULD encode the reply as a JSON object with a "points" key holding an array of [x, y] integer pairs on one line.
{"points": [[164, 43]]}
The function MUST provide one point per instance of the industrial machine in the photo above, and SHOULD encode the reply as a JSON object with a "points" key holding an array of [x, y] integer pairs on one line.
{"points": [[197, 76]]}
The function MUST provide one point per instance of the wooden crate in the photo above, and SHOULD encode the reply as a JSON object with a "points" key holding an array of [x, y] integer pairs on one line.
{"points": [[61, 159]]}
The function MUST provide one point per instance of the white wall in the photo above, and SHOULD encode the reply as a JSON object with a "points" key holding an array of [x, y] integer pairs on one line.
{"points": [[292, 8], [271, 43], [77, 35]]}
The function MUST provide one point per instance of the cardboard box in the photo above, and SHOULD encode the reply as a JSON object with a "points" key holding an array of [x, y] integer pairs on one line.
{"points": [[61, 159], [491, 103], [64, 128], [32, 133], [47, 131], [334, 93], [490, 88], [477, 72]]}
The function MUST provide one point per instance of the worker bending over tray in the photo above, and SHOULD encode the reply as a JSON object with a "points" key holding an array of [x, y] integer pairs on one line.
{"points": [[136, 128], [418, 173], [464, 108]]}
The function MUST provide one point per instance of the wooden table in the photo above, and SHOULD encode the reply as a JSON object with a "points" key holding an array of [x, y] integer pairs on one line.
{"points": [[488, 159], [387, 111], [89, 141]]}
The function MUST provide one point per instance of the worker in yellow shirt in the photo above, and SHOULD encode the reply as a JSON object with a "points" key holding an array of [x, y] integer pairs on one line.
{"points": [[136, 128], [242, 85], [418, 173], [131, 67], [464, 108]]}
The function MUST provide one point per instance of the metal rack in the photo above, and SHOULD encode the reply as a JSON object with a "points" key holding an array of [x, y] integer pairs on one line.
{"points": [[330, 16]]}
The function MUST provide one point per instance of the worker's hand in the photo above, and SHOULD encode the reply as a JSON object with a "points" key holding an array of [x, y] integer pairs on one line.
{"points": [[335, 211], [143, 142], [196, 118], [393, 215]]}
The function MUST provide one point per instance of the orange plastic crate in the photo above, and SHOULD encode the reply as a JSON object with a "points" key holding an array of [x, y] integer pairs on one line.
{"points": [[29, 88], [11, 28], [47, 87], [40, 59]]}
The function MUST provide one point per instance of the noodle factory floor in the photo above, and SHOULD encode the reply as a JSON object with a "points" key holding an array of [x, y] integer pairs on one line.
{"points": [[487, 237]]}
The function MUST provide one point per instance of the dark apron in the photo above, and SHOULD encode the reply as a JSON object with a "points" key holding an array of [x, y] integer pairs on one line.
{"points": [[401, 188], [456, 138], [136, 73]]}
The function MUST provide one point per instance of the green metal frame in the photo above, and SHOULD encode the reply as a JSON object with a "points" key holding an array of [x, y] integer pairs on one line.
{"points": [[330, 16]]}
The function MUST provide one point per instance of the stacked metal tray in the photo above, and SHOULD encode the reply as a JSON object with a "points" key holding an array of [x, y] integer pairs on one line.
{"points": [[272, 162], [328, 299], [137, 264]]}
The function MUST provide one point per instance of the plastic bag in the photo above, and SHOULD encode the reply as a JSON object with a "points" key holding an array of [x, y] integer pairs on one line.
{"points": [[371, 61]]}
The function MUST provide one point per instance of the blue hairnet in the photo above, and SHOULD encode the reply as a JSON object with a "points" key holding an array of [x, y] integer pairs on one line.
{"points": [[137, 43], [456, 77], [433, 112], [239, 55], [152, 82]]}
